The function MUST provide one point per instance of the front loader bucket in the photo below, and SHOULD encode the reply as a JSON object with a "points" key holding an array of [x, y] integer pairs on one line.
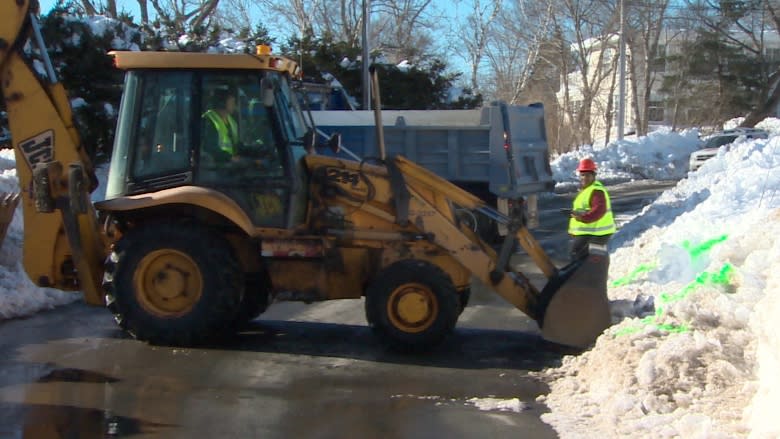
{"points": [[577, 309], [8, 203]]}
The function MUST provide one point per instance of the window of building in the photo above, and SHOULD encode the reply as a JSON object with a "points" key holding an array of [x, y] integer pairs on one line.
{"points": [[658, 64], [655, 111]]}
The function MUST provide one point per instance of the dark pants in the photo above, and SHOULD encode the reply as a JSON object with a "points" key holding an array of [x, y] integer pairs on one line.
{"points": [[579, 244]]}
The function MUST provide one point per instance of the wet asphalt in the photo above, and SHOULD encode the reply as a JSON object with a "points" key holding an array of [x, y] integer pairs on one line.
{"points": [[303, 371]]}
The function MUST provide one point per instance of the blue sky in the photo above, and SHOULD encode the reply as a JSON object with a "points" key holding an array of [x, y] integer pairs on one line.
{"points": [[450, 8], [129, 5]]}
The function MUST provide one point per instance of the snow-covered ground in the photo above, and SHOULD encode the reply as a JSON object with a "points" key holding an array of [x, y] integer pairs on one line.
{"points": [[705, 363]]}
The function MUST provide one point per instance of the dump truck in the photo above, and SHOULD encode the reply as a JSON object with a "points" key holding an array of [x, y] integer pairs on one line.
{"points": [[186, 249], [498, 152]]}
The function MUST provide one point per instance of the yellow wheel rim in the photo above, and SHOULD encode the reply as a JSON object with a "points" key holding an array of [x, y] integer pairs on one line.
{"points": [[412, 308], [168, 283]]}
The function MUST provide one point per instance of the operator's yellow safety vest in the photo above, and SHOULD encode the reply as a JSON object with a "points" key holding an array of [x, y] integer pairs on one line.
{"points": [[226, 129], [604, 226]]}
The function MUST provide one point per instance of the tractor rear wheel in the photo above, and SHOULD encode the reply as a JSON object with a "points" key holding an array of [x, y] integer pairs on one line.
{"points": [[412, 305], [173, 284], [256, 298]]}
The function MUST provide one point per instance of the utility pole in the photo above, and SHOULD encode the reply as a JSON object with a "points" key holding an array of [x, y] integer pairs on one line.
{"points": [[366, 80], [621, 116]]}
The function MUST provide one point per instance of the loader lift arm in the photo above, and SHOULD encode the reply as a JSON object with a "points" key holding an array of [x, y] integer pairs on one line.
{"points": [[572, 309], [63, 245]]}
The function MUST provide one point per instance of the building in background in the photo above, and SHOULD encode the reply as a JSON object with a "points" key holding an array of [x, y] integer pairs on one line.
{"points": [[679, 91]]}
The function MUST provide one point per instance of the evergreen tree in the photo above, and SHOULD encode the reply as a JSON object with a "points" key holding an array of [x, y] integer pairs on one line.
{"points": [[714, 81], [416, 88], [83, 65]]}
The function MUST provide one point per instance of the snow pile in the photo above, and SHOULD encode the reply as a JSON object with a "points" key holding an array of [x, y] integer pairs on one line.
{"points": [[661, 155], [18, 295], [497, 404], [690, 367]]}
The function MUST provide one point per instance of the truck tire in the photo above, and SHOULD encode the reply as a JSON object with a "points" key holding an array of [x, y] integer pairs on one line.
{"points": [[412, 306], [173, 284]]}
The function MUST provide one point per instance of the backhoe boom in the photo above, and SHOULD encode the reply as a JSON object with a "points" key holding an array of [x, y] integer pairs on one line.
{"points": [[63, 248]]}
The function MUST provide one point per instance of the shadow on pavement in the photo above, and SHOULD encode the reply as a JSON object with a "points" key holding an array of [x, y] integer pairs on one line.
{"points": [[464, 349]]}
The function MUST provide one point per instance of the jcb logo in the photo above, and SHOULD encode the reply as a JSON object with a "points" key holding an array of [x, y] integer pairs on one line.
{"points": [[38, 149]]}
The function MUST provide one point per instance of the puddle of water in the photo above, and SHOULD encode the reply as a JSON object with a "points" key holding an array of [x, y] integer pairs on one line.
{"points": [[34, 415], [40, 421]]}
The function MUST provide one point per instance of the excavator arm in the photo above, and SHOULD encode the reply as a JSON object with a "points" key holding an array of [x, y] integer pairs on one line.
{"points": [[63, 245]]}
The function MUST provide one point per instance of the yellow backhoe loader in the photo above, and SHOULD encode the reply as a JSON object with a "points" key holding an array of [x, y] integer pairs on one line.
{"points": [[204, 223]]}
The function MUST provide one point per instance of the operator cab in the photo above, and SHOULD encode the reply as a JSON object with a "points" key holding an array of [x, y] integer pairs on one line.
{"points": [[237, 131]]}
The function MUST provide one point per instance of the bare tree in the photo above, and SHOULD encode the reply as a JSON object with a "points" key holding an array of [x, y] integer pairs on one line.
{"points": [[588, 27], [91, 8], [647, 20], [185, 15], [513, 46], [398, 27], [295, 17], [401, 28], [188, 14], [109, 8], [677, 84], [473, 36]]}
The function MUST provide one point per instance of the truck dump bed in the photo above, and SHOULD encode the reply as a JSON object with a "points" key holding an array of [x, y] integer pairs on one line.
{"points": [[462, 146]]}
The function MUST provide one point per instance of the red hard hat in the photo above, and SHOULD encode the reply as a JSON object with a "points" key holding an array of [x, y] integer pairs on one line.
{"points": [[586, 165]]}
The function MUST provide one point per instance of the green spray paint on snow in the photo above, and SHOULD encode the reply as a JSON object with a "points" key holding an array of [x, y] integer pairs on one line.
{"points": [[696, 251], [721, 277], [625, 280]]}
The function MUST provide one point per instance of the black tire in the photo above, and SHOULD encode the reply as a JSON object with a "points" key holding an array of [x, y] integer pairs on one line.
{"points": [[256, 297], [173, 284], [463, 299], [412, 306]]}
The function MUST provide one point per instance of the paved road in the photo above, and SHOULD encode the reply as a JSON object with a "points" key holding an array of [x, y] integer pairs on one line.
{"points": [[308, 371]]}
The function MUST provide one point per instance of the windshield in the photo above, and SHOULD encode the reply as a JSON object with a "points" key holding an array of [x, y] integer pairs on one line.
{"points": [[719, 141], [286, 105]]}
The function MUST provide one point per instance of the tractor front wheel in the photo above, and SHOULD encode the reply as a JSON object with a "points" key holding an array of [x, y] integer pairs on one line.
{"points": [[412, 305]]}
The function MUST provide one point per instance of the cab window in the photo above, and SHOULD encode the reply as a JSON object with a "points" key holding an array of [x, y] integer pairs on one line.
{"points": [[237, 130], [163, 135], [242, 148]]}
